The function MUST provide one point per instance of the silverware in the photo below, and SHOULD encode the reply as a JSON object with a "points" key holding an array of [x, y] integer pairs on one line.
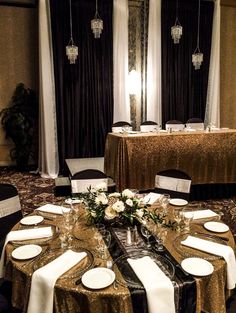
{"points": [[212, 236]]}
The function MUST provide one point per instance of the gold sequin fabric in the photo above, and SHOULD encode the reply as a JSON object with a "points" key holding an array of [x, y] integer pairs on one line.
{"points": [[133, 160]]}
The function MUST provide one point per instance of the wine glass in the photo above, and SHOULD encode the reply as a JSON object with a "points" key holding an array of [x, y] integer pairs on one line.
{"points": [[161, 237], [146, 233], [164, 201], [104, 242], [177, 215], [187, 219]]}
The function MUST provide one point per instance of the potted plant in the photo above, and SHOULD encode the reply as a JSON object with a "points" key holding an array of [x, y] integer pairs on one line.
{"points": [[19, 121]]}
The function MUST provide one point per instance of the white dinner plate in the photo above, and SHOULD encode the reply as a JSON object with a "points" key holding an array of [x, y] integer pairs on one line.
{"points": [[197, 266], [178, 202], [31, 220], [98, 278], [216, 227], [26, 252]]}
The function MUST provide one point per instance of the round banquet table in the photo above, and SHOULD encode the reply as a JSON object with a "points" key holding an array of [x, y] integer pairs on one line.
{"points": [[69, 297]]}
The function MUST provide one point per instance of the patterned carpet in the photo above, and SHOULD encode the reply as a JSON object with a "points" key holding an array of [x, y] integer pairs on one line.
{"points": [[35, 191]]}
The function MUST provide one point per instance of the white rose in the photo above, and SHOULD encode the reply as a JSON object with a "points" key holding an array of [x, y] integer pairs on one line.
{"points": [[93, 213], [140, 213], [110, 213], [114, 194], [101, 199], [118, 206], [127, 193], [129, 202]]}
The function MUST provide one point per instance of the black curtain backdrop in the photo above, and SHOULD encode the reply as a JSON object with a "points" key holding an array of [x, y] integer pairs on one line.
{"points": [[184, 89], [84, 91]]}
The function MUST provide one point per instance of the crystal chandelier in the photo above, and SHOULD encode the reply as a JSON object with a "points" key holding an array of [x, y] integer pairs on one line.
{"points": [[71, 48], [97, 23], [177, 29], [197, 56]]}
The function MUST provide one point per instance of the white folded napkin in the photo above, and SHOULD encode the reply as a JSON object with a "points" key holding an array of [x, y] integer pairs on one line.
{"points": [[51, 208], [23, 234], [44, 279], [201, 214], [159, 289], [217, 249], [151, 197]]}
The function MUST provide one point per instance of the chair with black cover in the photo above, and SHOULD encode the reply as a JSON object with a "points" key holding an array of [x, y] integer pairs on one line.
{"points": [[82, 180], [174, 182], [195, 123], [119, 126], [174, 125], [10, 210], [148, 126]]}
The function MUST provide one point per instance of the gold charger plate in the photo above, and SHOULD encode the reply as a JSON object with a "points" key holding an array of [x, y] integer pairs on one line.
{"points": [[130, 279], [39, 241], [188, 252]]}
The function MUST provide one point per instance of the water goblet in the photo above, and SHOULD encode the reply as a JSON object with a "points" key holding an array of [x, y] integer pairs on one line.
{"points": [[146, 233], [177, 215], [103, 244], [187, 219], [164, 202], [160, 237]]}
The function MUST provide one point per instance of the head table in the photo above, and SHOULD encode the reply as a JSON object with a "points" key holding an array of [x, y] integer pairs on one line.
{"points": [[133, 159], [211, 292]]}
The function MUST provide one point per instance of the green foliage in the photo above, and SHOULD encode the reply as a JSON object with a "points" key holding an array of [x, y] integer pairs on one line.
{"points": [[18, 121], [123, 208]]}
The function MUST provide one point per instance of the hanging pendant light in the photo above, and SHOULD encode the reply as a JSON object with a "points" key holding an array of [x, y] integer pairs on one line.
{"points": [[177, 29], [71, 48], [97, 23], [197, 56]]}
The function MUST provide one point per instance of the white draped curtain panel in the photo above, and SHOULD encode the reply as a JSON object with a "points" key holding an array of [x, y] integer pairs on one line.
{"points": [[154, 62], [48, 148], [120, 61], [212, 113]]}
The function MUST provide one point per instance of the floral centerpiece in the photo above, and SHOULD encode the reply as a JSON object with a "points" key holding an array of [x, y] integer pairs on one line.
{"points": [[122, 207]]}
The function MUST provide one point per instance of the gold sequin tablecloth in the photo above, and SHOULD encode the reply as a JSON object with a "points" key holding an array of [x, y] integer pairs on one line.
{"points": [[71, 298], [133, 160]]}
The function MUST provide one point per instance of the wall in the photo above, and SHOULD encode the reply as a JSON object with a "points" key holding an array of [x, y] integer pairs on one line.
{"points": [[18, 59], [228, 64]]}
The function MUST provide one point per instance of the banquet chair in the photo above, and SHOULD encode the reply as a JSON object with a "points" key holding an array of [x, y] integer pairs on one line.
{"points": [[119, 126], [82, 180], [174, 182], [195, 123], [175, 125], [10, 210], [148, 126]]}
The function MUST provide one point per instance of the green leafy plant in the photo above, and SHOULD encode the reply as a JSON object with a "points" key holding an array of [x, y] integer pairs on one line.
{"points": [[19, 121], [122, 208]]}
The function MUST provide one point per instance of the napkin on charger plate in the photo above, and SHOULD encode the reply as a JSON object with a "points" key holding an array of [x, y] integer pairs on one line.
{"points": [[159, 289], [151, 197], [201, 214], [44, 279], [23, 234], [217, 249], [51, 208]]}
